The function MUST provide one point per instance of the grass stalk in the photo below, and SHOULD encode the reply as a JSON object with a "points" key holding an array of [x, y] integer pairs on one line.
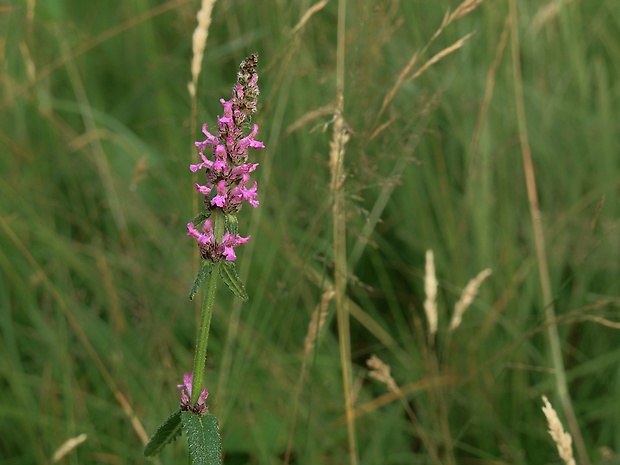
{"points": [[80, 333], [539, 243], [380, 371], [336, 164], [314, 329]]}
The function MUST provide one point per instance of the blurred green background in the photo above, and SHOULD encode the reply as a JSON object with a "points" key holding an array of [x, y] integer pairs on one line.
{"points": [[96, 135]]}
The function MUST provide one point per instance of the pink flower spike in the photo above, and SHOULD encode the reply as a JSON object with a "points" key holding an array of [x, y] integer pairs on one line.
{"points": [[225, 164]]}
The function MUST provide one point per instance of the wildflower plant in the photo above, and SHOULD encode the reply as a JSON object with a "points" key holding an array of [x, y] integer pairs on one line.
{"points": [[227, 186]]}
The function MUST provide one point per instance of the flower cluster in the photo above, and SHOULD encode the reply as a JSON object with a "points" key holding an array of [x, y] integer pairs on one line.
{"points": [[200, 406], [228, 172], [210, 248]]}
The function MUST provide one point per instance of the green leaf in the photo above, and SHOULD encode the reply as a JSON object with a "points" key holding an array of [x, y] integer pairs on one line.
{"points": [[205, 270], [203, 437], [168, 431], [232, 224], [200, 217], [229, 275]]}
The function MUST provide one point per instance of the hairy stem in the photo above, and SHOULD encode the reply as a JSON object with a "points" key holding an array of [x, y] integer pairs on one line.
{"points": [[210, 286]]}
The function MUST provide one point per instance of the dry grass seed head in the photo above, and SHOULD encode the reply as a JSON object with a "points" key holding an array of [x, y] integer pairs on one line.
{"points": [[463, 10], [430, 288], [336, 149], [308, 14], [562, 440], [443, 53], [467, 297], [199, 42], [318, 320], [547, 13], [380, 371], [66, 448]]}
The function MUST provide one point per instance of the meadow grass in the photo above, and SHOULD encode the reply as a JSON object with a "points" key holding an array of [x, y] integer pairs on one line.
{"points": [[97, 130]]}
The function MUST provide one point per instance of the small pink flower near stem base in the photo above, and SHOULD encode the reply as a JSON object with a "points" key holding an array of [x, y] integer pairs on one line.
{"points": [[200, 406]]}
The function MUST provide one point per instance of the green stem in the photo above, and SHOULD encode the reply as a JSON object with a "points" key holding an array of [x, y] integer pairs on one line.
{"points": [[210, 285], [200, 356], [553, 336]]}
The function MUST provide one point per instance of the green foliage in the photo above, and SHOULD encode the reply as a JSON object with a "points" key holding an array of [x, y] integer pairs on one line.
{"points": [[229, 275], [96, 137], [205, 443], [206, 267], [167, 432], [232, 223]]}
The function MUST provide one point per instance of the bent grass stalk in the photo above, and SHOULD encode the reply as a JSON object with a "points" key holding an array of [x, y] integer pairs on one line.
{"points": [[380, 371], [317, 321], [539, 243]]}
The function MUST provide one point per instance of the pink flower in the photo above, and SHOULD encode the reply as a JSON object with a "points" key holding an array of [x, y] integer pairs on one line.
{"points": [[208, 245], [220, 198], [229, 242], [227, 168], [210, 141], [200, 406]]}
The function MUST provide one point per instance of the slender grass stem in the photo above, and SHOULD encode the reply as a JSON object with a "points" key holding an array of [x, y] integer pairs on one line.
{"points": [[342, 314], [339, 233], [539, 241]]}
